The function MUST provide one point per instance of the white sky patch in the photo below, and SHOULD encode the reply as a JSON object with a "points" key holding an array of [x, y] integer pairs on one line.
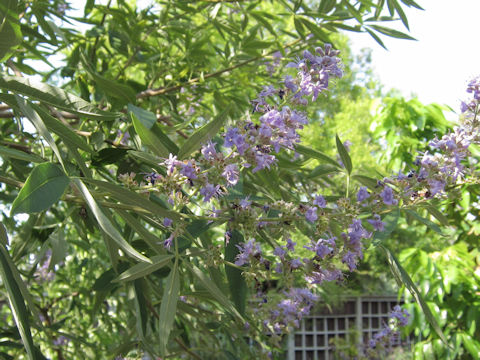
{"points": [[439, 65]]}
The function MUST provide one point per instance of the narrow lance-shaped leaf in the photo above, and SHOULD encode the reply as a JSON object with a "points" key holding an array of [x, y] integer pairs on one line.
{"points": [[106, 225], [236, 282], [315, 154], [202, 135], [10, 33], [168, 308], [213, 289], [143, 269], [149, 120], [402, 278], [54, 96], [37, 121], [43, 188], [430, 224], [6, 152], [342, 151], [390, 221], [149, 138], [17, 305], [140, 307], [129, 197]]}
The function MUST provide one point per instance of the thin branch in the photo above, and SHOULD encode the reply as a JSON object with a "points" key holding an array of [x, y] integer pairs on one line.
{"points": [[163, 90]]}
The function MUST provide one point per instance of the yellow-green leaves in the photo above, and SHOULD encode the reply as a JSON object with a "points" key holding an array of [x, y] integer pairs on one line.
{"points": [[43, 188]]}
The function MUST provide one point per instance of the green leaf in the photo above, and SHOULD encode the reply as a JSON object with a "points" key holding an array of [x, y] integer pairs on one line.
{"points": [[322, 170], [369, 182], [236, 282], [10, 32], [390, 221], [145, 235], [114, 88], [402, 278], [213, 289], [342, 151], [106, 225], [3, 235], [17, 304], [132, 198], [108, 156], [54, 96], [376, 38], [149, 120], [65, 133], [44, 187], [7, 152], [427, 222], [37, 121], [392, 33], [143, 269], [168, 308], [315, 154], [149, 138], [202, 135], [141, 307]]}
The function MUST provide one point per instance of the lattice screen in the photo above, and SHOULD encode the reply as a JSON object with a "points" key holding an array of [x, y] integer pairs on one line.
{"points": [[364, 314]]}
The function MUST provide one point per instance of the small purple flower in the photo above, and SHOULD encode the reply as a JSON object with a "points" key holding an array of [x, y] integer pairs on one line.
{"points": [[171, 163], [324, 247], [208, 151], [152, 177], [388, 196], [189, 171], [247, 250], [320, 201], [401, 315], [290, 245], [278, 268], [279, 252], [350, 259], [377, 223], [263, 161], [167, 222], [209, 191], [168, 242], [296, 263], [245, 203], [231, 174], [362, 194], [311, 214]]}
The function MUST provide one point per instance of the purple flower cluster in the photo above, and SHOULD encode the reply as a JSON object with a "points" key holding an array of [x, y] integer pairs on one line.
{"points": [[314, 73], [287, 312], [398, 318]]}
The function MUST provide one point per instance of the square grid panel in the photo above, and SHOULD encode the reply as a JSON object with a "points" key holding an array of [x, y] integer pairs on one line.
{"points": [[364, 314]]}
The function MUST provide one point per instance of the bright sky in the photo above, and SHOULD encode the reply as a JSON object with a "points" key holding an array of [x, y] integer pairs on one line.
{"points": [[439, 65]]}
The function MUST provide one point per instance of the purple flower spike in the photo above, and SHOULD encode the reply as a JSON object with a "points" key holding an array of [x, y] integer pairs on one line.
{"points": [[167, 222]]}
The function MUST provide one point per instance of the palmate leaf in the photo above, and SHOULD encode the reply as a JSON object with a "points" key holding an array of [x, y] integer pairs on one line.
{"points": [[149, 138], [43, 188], [143, 269]]}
